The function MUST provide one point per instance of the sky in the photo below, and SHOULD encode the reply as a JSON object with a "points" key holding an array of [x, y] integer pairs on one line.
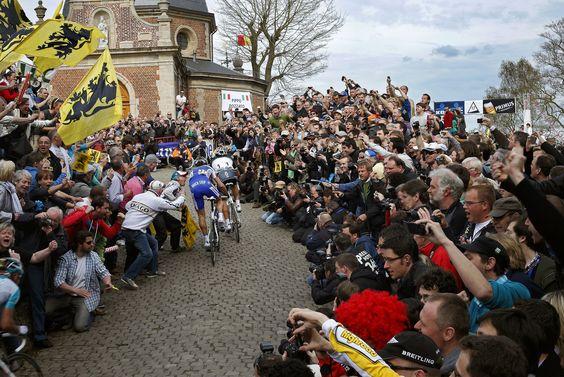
{"points": [[451, 50]]}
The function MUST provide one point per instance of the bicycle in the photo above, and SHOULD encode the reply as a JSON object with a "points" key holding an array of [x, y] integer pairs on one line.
{"points": [[233, 214], [18, 364], [214, 230]]}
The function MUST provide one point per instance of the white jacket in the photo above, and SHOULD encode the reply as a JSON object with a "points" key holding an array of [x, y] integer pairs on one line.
{"points": [[143, 208]]}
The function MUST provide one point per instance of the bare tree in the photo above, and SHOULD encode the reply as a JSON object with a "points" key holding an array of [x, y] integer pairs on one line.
{"points": [[518, 79], [550, 58], [288, 37]]}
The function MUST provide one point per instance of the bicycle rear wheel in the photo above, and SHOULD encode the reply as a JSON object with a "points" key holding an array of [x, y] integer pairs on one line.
{"points": [[234, 222], [213, 241], [23, 365]]}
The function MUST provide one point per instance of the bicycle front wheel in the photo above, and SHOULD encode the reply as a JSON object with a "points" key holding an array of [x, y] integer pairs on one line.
{"points": [[23, 365]]}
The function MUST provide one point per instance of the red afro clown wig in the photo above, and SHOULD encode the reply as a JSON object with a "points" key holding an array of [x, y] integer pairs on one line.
{"points": [[375, 316]]}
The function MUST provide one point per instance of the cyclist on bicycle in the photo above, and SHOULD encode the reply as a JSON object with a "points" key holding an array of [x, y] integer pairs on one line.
{"points": [[203, 182], [223, 166], [11, 272]]}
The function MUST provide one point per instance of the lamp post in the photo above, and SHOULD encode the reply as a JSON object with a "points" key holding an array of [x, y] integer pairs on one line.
{"points": [[40, 11]]}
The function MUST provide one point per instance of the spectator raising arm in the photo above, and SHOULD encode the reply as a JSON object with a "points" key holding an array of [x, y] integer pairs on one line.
{"points": [[473, 279]]}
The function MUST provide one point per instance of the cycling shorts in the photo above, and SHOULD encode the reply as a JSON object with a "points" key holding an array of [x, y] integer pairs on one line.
{"points": [[201, 188], [227, 175]]}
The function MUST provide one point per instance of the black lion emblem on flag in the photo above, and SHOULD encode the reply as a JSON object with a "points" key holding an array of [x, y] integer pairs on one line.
{"points": [[99, 95], [11, 19], [67, 39]]}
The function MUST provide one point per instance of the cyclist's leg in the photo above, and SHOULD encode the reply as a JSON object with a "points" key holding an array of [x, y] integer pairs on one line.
{"points": [[202, 221], [236, 194]]}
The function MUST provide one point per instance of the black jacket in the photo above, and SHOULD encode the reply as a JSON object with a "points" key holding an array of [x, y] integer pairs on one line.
{"points": [[456, 219], [544, 216], [370, 206], [324, 292], [406, 286], [365, 278]]}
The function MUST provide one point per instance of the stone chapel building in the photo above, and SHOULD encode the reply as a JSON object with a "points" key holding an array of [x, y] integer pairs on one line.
{"points": [[158, 48]]}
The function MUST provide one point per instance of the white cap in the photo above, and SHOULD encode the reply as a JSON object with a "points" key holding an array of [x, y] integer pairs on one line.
{"points": [[156, 185]]}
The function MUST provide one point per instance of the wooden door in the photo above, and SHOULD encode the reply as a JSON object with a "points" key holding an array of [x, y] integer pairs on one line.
{"points": [[124, 100]]}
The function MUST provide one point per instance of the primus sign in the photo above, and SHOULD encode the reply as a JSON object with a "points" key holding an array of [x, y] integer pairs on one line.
{"points": [[231, 100]]}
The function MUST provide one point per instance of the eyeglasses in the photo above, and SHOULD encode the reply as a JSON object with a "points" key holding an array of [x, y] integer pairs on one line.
{"points": [[89, 242], [471, 203], [388, 260]]}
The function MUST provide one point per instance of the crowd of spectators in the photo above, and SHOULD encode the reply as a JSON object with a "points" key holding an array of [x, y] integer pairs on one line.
{"points": [[460, 230], [432, 249]]}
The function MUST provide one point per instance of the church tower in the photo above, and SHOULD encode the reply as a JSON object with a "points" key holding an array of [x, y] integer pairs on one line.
{"points": [[158, 47]]}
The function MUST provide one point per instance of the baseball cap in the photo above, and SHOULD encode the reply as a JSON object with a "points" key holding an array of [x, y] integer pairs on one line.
{"points": [[504, 205], [156, 185], [431, 147], [285, 133], [488, 247], [280, 185], [341, 134], [151, 158], [415, 347]]}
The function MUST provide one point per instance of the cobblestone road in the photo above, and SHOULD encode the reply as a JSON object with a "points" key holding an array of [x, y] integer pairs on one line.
{"points": [[199, 320]]}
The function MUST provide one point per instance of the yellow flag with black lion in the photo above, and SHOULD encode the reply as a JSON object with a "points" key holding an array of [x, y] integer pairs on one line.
{"points": [[94, 104]]}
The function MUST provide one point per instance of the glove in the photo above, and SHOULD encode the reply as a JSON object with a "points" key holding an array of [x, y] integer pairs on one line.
{"points": [[23, 329]]}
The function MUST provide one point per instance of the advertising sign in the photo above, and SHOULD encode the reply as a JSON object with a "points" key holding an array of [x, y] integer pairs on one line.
{"points": [[473, 107], [440, 107], [235, 100], [499, 106]]}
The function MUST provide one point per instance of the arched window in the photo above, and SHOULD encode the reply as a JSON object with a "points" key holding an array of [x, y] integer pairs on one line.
{"points": [[182, 40]]}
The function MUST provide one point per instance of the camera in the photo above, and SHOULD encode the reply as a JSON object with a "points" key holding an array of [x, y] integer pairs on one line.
{"points": [[415, 125], [418, 229], [479, 120], [45, 222], [318, 270], [292, 348], [266, 347]]}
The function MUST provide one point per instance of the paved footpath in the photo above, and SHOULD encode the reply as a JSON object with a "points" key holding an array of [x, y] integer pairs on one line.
{"points": [[198, 320]]}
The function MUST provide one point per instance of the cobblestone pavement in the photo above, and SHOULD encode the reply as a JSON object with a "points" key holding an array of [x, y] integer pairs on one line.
{"points": [[198, 320]]}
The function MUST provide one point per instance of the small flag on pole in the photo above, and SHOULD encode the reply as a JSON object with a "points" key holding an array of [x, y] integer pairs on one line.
{"points": [[243, 40]]}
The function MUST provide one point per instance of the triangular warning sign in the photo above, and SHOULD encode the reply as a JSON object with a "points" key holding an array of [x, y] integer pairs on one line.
{"points": [[473, 108]]}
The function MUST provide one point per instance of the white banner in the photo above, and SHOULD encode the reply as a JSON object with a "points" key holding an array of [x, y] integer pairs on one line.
{"points": [[235, 100], [473, 107]]}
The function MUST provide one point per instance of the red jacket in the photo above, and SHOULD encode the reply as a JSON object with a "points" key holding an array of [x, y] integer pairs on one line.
{"points": [[80, 220], [439, 256]]}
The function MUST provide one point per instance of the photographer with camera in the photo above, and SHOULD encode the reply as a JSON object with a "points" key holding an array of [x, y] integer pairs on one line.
{"points": [[371, 210], [322, 232], [274, 209], [325, 283], [349, 265]]}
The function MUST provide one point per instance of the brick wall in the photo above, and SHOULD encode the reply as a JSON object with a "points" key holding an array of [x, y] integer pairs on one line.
{"points": [[199, 27], [127, 24], [143, 80]]}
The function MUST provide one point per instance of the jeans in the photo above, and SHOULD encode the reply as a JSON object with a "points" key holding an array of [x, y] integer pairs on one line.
{"points": [[148, 248], [37, 300], [82, 317], [272, 218]]}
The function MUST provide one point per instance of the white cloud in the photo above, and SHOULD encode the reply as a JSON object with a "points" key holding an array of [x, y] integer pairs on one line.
{"points": [[398, 39]]}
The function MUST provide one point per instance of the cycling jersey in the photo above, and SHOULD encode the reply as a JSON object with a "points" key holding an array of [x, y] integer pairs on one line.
{"points": [[9, 292], [351, 350], [201, 185]]}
